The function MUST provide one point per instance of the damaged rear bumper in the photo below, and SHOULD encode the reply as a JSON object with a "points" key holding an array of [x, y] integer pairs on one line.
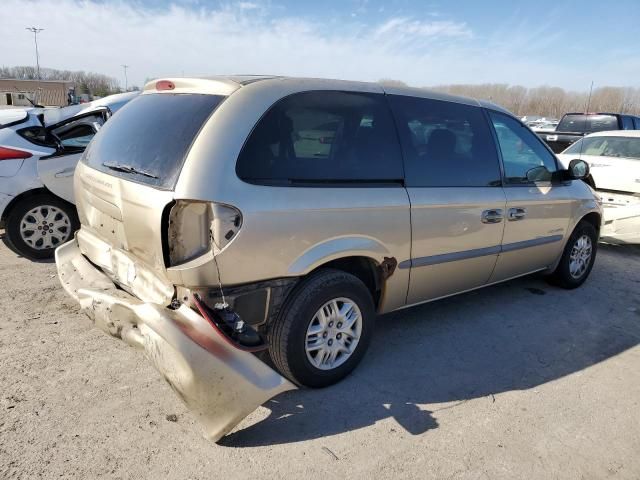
{"points": [[219, 383]]}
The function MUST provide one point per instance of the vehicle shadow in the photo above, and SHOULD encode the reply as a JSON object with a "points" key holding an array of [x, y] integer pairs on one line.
{"points": [[3, 239], [507, 337]]}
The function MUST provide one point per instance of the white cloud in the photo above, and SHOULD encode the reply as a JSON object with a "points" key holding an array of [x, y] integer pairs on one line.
{"points": [[248, 6], [100, 37], [407, 26]]}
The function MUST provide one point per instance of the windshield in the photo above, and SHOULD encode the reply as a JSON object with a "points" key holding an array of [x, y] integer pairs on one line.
{"points": [[587, 123], [148, 140], [607, 147]]}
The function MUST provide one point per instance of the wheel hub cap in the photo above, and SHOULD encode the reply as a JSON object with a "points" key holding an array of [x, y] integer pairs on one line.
{"points": [[580, 257], [45, 227], [333, 334]]}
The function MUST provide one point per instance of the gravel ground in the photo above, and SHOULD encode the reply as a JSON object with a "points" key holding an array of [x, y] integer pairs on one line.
{"points": [[520, 380]]}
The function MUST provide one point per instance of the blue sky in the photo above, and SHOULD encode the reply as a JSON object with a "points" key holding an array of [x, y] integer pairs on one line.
{"points": [[561, 43]]}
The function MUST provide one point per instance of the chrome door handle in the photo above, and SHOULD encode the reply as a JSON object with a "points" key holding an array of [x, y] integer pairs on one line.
{"points": [[492, 216], [517, 214]]}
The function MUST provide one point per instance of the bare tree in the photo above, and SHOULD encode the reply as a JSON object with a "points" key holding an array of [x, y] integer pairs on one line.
{"points": [[86, 82], [389, 82], [550, 101]]}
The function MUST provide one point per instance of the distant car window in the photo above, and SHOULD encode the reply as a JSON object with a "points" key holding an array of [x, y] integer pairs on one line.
{"points": [[636, 122], [627, 122], [572, 123], [587, 123], [601, 123], [607, 147], [445, 144], [151, 136], [524, 156], [323, 136]]}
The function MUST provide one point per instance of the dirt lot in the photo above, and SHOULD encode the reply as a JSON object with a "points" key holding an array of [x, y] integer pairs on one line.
{"points": [[520, 380]]}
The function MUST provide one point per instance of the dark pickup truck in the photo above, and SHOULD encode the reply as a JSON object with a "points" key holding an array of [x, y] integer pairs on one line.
{"points": [[574, 126]]}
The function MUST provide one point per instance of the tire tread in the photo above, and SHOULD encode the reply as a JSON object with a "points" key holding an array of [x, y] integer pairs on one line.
{"points": [[280, 334]]}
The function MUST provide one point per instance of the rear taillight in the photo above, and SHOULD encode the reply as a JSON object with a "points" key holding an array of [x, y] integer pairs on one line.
{"points": [[13, 154], [195, 228]]}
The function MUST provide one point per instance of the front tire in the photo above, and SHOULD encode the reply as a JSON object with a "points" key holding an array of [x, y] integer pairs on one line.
{"points": [[578, 257], [324, 329], [38, 224]]}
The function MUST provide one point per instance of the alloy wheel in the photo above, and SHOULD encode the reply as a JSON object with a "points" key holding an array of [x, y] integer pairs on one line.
{"points": [[333, 334]]}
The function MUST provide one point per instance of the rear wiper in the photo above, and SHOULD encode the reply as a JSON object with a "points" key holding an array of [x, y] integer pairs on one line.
{"points": [[128, 169]]}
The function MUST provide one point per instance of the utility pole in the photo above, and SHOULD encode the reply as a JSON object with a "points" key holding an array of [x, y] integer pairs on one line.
{"points": [[126, 83], [35, 32]]}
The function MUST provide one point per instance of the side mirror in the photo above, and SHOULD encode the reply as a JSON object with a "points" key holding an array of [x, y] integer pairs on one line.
{"points": [[578, 169]]}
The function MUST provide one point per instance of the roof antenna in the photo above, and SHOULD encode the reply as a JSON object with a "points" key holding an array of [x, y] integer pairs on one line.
{"points": [[589, 99], [586, 113]]}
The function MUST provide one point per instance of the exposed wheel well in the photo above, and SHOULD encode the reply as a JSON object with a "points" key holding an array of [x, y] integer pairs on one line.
{"points": [[364, 268], [594, 219]]}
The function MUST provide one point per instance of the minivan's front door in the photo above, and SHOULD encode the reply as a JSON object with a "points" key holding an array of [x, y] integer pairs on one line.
{"points": [[452, 175], [538, 210]]}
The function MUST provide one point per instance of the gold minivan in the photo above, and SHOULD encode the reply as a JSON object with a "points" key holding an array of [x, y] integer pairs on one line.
{"points": [[245, 231]]}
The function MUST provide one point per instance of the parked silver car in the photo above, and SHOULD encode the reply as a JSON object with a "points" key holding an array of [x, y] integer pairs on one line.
{"points": [[225, 217], [39, 149]]}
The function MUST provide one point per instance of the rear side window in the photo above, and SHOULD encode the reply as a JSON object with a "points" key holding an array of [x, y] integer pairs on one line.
{"points": [[636, 121], [323, 136], [148, 140], [445, 144]]}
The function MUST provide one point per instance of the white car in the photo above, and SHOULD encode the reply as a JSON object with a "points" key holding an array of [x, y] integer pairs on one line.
{"points": [[614, 159], [39, 149]]}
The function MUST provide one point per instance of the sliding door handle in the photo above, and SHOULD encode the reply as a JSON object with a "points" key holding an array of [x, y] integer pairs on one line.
{"points": [[517, 214], [492, 216]]}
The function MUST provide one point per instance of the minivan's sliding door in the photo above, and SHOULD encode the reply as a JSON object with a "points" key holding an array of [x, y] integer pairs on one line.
{"points": [[452, 175], [327, 173]]}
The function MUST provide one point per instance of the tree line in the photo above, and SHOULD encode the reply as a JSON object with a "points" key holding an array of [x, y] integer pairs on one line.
{"points": [[545, 101], [85, 82]]}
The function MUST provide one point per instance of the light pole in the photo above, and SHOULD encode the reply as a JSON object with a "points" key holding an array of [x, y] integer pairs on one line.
{"points": [[35, 32], [125, 77]]}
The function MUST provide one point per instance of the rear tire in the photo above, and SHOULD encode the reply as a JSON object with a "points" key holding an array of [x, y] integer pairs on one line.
{"points": [[323, 330], [578, 257], [38, 224]]}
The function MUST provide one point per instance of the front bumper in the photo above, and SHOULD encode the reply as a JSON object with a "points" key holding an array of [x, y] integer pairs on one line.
{"points": [[219, 383]]}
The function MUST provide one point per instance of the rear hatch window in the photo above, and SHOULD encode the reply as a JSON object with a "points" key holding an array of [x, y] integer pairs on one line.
{"points": [[148, 140]]}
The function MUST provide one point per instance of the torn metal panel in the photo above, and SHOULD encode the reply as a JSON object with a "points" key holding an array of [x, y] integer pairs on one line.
{"points": [[219, 383]]}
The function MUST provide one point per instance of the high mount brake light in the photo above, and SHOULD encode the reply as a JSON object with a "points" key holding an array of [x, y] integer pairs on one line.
{"points": [[165, 85], [13, 154]]}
